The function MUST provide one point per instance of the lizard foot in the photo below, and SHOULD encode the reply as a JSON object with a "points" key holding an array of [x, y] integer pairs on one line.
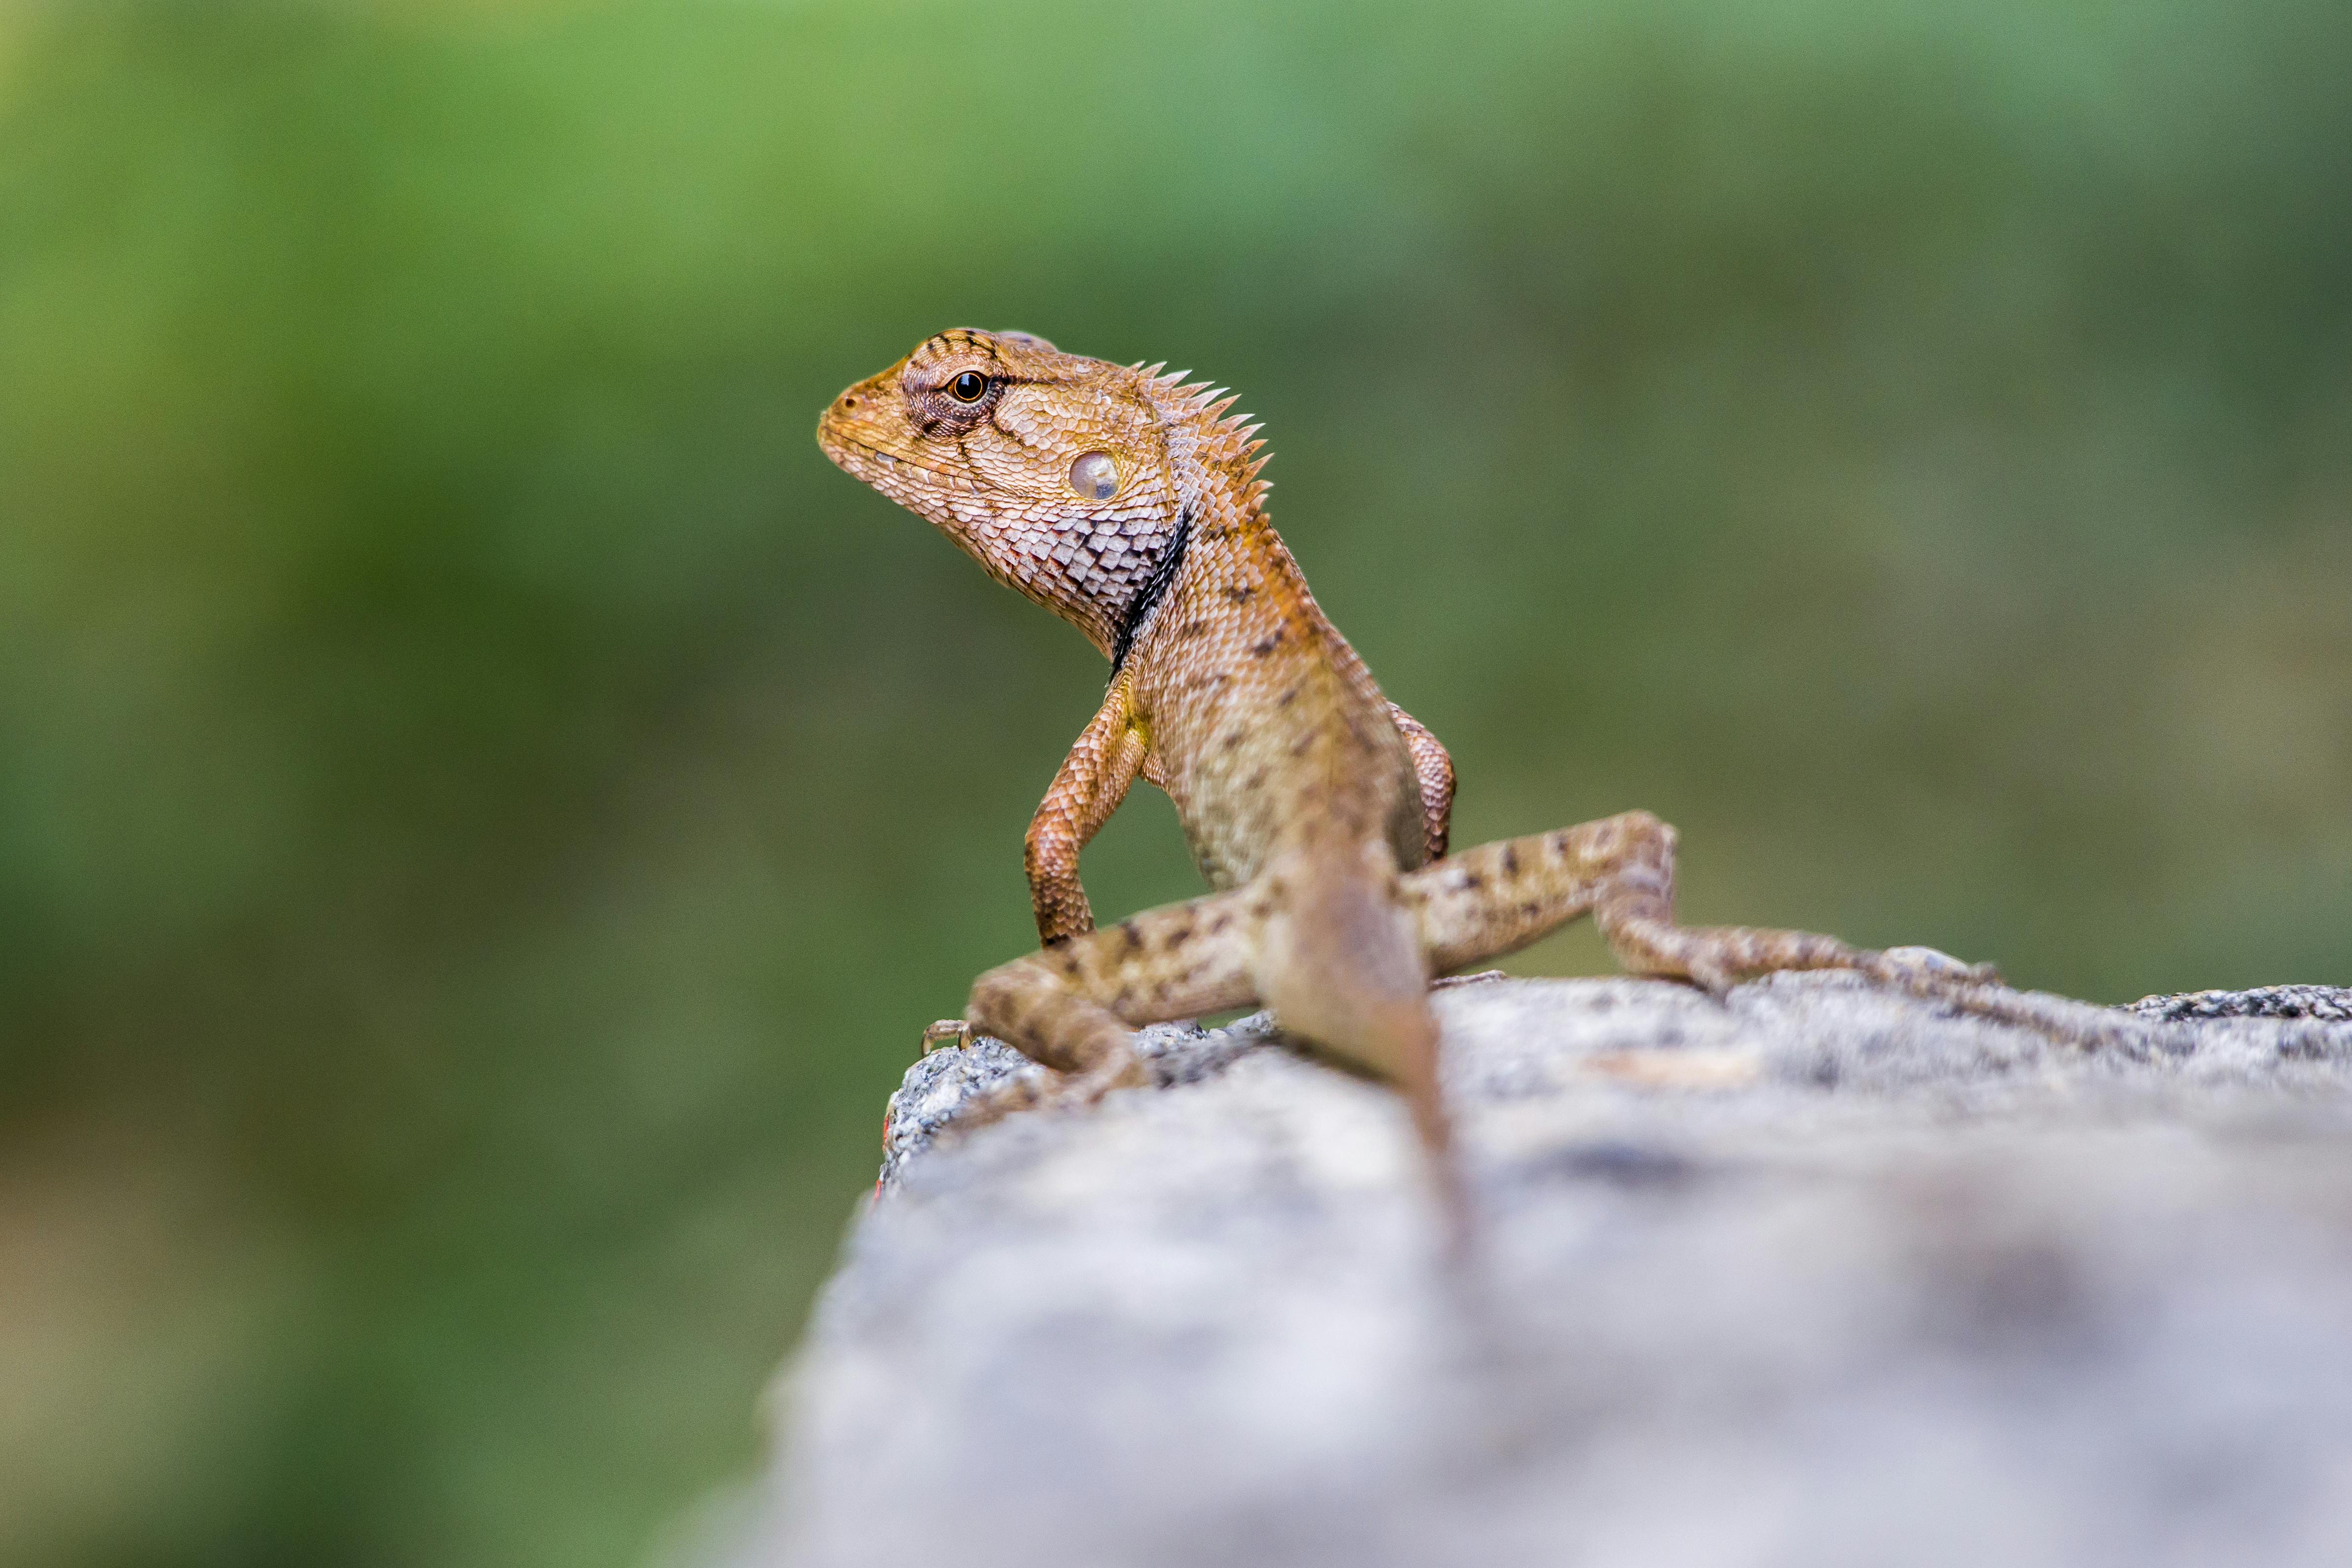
{"points": [[948, 1034]]}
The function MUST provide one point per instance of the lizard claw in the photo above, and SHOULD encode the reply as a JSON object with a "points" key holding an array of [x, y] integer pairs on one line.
{"points": [[1481, 975]]}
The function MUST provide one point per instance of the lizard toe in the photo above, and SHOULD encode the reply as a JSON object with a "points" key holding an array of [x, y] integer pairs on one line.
{"points": [[947, 1034]]}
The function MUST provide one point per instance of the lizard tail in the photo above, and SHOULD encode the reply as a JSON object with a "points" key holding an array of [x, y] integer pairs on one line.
{"points": [[1408, 1036], [1342, 968]]}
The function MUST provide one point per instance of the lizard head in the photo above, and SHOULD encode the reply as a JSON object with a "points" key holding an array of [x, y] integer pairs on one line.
{"points": [[1071, 479]]}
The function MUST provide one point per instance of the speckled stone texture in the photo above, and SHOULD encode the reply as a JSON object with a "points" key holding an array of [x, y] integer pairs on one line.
{"points": [[1822, 1276]]}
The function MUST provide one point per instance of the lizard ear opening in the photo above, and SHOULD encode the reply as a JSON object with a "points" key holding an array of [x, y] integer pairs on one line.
{"points": [[1094, 475]]}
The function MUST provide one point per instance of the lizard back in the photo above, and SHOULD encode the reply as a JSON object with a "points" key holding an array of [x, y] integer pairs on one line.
{"points": [[1264, 726]]}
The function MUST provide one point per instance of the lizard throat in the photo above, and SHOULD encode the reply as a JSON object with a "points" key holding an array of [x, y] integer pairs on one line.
{"points": [[1137, 611]]}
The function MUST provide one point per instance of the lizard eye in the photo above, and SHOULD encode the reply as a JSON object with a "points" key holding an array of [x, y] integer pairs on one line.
{"points": [[968, 387], [1094, 475]]}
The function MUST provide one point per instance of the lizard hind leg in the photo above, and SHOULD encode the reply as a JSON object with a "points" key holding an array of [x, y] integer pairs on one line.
{"points": [[1499, 897], [1073, 1007]]}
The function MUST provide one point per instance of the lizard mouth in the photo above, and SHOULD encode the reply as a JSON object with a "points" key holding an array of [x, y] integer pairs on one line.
{"points": [[887, 470]]}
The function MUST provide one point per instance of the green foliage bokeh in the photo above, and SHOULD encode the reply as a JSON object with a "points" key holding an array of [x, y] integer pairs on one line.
{"points": [[485, 811]]}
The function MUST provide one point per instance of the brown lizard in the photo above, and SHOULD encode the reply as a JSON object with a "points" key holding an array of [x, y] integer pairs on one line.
{"points": [[1130, 504]]}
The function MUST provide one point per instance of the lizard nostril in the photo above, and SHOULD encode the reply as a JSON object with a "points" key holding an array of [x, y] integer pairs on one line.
{"points": [[849, 401]]}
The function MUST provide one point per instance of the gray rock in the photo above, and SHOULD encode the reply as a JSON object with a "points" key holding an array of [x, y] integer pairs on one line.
{"points": [[1819, 1276], [2329, 1003]]}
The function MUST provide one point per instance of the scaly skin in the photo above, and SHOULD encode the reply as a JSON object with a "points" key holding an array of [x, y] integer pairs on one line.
{"points": [[1316, 809]]}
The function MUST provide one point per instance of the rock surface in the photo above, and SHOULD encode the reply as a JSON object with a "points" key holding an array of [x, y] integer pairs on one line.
{"points": [[1819, 1276]]}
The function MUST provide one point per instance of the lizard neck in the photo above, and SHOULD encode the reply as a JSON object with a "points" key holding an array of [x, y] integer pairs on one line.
{"points": [[1128, 618], [1222, 534]]}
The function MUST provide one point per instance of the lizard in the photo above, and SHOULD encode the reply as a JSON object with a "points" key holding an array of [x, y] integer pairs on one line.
{"points": [[1128, 501]]}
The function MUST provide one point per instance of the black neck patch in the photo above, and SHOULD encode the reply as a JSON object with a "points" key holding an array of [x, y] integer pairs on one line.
{"points": [[1155, 588]]}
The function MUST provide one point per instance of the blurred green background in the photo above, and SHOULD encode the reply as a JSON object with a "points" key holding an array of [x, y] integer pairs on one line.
{"points": [[486, 810]]}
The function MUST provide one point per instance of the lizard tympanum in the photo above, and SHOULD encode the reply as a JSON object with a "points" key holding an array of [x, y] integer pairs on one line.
{"points": [[1129, 504]]}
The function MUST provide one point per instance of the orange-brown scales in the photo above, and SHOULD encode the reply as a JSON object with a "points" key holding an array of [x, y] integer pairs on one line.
{"points": [[1128, 502]]}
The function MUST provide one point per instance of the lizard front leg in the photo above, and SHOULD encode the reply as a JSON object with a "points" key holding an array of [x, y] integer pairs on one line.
{"points": [[1093, 779], [1498, 897], [1073, 1007], [1087, 788]]}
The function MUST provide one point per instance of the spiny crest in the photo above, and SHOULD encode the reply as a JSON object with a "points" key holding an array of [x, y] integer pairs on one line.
{"points": [[1233, 434], [1225, 435]]}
